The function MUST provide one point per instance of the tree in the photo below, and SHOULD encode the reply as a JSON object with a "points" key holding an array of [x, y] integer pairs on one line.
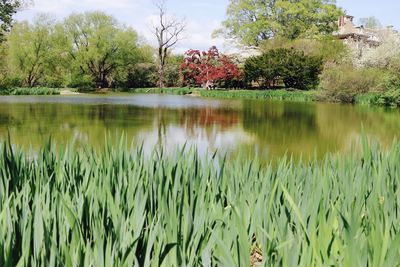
{"points": [[168, 33], [253, 21], [298, 70], [207, 69], [7, 9], [100, 48], [29, 49], [293, 68], [262, 70], [172, 71]]}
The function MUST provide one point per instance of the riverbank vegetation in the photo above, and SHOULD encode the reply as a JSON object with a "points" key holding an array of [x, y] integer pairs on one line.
{"points": [[31, 91], [93, 50], [119, 207]]}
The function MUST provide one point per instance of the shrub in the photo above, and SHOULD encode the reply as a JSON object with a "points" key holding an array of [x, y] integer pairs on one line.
{"points": [[390, 98], [142, 76], [293, 68], [81, 82], [8, 81], [343, 83]]}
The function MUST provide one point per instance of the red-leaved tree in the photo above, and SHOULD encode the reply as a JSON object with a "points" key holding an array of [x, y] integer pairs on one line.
{"points": [[208, 69]]}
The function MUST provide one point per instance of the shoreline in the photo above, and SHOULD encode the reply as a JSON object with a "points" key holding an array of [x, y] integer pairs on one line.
{"points": [[384, 99]]}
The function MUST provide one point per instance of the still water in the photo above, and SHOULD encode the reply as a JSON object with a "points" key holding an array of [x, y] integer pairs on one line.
{"points": [[238, 127]]}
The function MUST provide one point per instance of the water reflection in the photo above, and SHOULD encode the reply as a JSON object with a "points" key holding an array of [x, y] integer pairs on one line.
{"points": [[269, 129]]}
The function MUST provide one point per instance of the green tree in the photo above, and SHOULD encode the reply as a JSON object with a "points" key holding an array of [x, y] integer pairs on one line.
{"points": [[292, 68], [7, 9], [172, 70], [100, 48], [29, 50], [261, 70], [253, 21], [298, 70]]}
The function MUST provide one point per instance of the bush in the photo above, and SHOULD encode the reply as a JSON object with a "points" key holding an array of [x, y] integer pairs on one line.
{"points": [[293, 68], [390, 98], [81, 82], [343, 83], [142, 76], [7, 81]]}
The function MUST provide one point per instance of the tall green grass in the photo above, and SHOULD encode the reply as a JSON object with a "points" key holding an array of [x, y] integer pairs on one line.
{"points": [[30, 91], [301, 96], [389, 98], [171, 91], [118, 207]]}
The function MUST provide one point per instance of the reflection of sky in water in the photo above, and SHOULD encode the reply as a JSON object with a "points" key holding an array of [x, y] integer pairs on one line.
{"points": [[239, 127], [150, 101], [204, 141]]}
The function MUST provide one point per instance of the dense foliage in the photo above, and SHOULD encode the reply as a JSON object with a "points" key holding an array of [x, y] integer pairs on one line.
{"points": [[293, 68], [122, 208], [365, 69], [85, 50], [7, 9], [209, 69], [253, 21]]}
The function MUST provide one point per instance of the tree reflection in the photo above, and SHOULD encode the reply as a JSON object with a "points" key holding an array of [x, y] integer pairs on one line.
{"points": [[269, 129]]}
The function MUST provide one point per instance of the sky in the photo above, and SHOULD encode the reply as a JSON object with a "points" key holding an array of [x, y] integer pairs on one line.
{"points": [[202, 16]]}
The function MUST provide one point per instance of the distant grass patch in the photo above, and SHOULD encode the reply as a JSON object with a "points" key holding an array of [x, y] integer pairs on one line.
{"points": [[31, 91], [295, 95], [171, 91]]}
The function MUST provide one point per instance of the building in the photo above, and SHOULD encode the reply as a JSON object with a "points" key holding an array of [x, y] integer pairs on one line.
{"points": [[350, 33]]}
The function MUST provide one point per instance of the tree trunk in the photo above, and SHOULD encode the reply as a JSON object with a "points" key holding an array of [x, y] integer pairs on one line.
{"points": [[162, 54], [161, 73]]}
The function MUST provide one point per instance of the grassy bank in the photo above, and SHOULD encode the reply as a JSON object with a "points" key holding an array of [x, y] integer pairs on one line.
{"points": [[390, 98], [30, 91], [172, 91], [295, 95], [78, 207]]}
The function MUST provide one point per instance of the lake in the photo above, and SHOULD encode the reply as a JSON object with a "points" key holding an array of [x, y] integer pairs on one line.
{"points": [[249, 127]]}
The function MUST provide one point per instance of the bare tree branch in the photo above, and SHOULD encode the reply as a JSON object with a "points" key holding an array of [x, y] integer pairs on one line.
{"points": [[168, 32]]}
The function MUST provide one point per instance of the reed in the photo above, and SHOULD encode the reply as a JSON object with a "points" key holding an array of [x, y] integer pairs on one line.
{"points": [[171, 91], [70, 206], [298, 96], [30, 91]]}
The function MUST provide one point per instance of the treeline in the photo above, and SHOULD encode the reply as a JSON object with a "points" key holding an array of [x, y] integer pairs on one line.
{"points": [[84, 51], [297, 38]]}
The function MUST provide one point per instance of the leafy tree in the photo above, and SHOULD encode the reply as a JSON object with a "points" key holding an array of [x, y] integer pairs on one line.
{"points": [[7, 9], [100, 48], [293, 68], [142, 75], [172, 70], [253, 21], [328, 48], [29, 50], [208, 69], [262, 70], [299, 71]]}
